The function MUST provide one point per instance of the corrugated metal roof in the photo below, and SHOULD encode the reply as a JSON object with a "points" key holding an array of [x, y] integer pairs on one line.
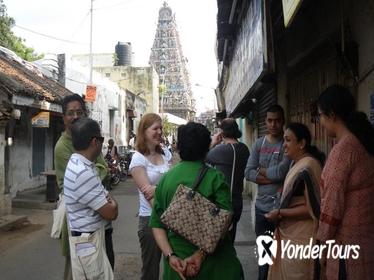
{"points": [[22, 79]]}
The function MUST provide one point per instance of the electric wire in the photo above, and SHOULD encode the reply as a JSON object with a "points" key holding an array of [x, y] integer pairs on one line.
{"points": [[49, 36]]}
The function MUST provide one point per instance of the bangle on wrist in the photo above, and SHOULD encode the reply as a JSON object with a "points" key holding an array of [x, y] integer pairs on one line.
{"points": [[169, 255], [202, 253]]}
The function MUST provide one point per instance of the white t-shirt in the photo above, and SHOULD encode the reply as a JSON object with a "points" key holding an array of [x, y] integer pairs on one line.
{"points": [[154, 173], [132, 142]]}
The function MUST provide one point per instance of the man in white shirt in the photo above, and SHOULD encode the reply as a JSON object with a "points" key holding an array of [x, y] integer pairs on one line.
{"points": [[132, 141], [89, 206]]}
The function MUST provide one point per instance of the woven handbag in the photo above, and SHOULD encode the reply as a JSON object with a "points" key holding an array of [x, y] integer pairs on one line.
{"points": [[196, 218]]}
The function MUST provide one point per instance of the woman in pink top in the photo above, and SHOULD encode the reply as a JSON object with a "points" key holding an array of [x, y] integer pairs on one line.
{"points": [[347, 187]]}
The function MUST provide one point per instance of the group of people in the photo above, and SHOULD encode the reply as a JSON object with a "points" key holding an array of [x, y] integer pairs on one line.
{"points": [[303, 200], [150, 168], [81, 172], [300, 196]]}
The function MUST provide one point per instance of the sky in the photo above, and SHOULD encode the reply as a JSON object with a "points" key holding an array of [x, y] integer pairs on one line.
{"points": [[132, 21]]}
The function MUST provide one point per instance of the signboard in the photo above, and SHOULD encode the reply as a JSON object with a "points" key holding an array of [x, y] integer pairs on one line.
{"points": [[41, 120], [290, 8], [249, 56], [30, 102], [90, 93]]}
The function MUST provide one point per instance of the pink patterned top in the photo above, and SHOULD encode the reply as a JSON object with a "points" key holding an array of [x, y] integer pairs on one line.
{"points": [[347, 211]]}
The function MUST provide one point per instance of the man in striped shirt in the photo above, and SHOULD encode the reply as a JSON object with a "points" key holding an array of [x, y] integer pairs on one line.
{"points": [[89, 205]]}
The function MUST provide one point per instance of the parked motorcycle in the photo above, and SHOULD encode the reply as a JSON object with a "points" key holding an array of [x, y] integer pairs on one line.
{"points": [[115, 172], [124, 163], [124, 171]]}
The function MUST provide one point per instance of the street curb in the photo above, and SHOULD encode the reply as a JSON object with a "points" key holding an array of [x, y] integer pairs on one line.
{"points": [[32, 204], [10, 221]]}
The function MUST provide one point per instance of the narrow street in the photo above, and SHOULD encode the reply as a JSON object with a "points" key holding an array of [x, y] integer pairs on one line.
{"points": [[29, 252]]}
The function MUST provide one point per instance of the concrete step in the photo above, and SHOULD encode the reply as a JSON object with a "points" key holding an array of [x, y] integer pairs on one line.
{"points": [[33, 204], [8, 222]]}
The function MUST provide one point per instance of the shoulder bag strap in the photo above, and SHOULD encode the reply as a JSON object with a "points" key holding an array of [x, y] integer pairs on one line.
{"points": [[233, 169], [200, 177]]}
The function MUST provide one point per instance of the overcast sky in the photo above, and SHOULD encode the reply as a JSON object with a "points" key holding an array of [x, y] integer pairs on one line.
{"points": [[132, 21]]}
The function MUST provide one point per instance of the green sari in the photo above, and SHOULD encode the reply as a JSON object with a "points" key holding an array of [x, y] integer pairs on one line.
{"points": [[223, 264]]}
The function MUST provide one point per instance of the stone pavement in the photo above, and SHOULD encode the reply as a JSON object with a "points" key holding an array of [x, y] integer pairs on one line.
{"points": [[42, 254]]}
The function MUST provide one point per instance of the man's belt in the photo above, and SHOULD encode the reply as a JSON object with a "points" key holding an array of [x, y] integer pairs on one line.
{"points": [[78, 233]]}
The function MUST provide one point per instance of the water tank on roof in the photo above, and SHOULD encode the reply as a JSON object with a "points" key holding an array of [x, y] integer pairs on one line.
{"points": [[124, 54]]}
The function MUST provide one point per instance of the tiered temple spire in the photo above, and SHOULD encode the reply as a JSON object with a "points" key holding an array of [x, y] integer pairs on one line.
{"points": [[168, 60]]}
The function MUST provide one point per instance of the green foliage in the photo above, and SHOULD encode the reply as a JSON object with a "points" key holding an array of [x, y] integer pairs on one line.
{"points": [[162, 89], [167, 127], [11, 41], [115, 59]]}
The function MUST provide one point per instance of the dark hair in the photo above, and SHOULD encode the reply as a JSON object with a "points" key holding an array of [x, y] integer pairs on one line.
{"points": [[339, 101], [82, 132], [193, 141], [70, 98], [230, 128], [111, 141], [275, 108], [302, 132]]}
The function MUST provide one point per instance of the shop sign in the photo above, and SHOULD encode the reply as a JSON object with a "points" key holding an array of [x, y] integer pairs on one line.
{"points": [[290, 8], [90, 93], [41, 120]]}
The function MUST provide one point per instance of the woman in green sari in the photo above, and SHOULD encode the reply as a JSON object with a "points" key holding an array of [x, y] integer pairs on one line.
{"points": [[181, 258]]}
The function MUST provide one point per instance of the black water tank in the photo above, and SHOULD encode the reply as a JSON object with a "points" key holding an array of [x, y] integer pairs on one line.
{"points": [[124, 54]]}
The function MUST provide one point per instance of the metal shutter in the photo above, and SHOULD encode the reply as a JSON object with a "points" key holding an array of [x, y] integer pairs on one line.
{"points": [[264, 101]]}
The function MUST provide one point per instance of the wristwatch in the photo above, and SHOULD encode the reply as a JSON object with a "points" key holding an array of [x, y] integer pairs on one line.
{"points": [[169, 255]]}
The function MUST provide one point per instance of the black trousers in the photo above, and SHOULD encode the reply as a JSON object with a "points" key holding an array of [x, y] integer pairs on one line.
{"points": [[262, 227], [238, 209], [109, 246], [151, 254]]}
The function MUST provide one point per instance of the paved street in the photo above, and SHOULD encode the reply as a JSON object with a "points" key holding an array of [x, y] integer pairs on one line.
{"points": [[29, 253]]}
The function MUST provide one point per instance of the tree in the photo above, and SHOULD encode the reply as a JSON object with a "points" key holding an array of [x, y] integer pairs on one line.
{"points": [[11, 41], [167, 127]]}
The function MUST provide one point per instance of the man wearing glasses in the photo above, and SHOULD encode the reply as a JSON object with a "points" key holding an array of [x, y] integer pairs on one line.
{"points": [[73, 108], [89, 206]]}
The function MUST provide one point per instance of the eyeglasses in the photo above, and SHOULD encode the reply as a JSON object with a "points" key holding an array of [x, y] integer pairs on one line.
{"points": [[99, 138], [72, 113]]}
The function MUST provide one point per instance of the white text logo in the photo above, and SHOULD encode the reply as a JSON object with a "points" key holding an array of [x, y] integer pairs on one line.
{"points": [[267, 249]]}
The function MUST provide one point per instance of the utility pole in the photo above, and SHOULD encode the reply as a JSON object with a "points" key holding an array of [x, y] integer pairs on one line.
{"points": [[91, 58]]}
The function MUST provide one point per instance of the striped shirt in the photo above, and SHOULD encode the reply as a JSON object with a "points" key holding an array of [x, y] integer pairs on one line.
{"points": [[84, 194]]}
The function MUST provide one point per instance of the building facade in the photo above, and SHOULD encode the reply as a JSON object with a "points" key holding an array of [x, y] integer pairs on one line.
{"points": [[105, 107], [270, 53], [30, 125]]}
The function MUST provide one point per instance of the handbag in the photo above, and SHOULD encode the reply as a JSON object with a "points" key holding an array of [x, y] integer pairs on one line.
{"points": [[88, 256], [58, 218], [196, 218]]}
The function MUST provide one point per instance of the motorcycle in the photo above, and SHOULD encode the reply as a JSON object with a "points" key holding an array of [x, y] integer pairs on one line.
{"points": [[124, 163], [124, 171], [114, 171]]}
